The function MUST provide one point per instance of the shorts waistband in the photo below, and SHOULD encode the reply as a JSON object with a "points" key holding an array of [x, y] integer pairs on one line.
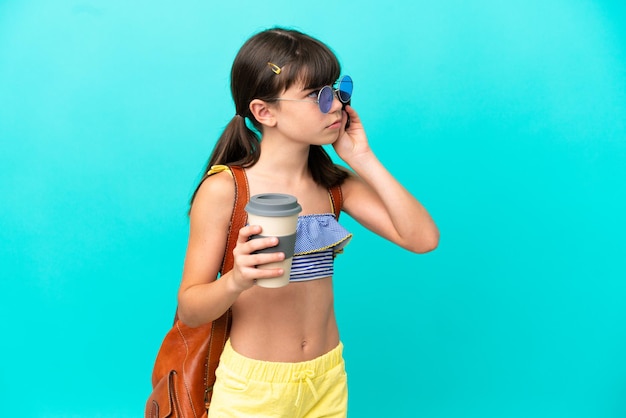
{"points": [[278, 371]]}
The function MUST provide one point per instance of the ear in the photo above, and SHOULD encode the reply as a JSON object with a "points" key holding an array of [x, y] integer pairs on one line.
{"points": [[262, 112]]}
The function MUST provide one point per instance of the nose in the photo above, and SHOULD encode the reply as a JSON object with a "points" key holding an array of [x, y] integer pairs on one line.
{"points": [[337, 105]]}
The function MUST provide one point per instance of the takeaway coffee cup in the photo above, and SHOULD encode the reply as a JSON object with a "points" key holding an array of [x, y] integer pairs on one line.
{"points": [[277, 214]]}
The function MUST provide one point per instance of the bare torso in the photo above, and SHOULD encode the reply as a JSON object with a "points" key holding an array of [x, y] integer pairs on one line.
{"points": [[290, 324], [296, 322]]}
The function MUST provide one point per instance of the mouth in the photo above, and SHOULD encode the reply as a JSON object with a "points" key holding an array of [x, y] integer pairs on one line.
{"points": [[335, 124]]}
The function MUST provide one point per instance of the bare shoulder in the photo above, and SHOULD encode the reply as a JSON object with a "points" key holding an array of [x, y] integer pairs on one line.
{"points": [[208, 228], [215, 196]]}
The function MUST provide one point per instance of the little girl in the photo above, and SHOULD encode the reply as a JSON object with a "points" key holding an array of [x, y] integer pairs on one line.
{"points": [[284, 355]]}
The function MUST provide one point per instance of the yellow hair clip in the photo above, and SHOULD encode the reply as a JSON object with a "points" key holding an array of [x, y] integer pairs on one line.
{"points": [[274, 67]]}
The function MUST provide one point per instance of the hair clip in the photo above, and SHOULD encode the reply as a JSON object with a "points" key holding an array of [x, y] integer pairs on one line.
{"points": [[274, 67]]}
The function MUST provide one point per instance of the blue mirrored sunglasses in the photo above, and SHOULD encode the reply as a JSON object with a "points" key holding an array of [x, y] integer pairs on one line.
{"points": [[326, 94]]}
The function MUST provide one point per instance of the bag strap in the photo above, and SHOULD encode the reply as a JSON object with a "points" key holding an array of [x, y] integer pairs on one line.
{"points": [[221, 326], [336, 199], [238, 218]]}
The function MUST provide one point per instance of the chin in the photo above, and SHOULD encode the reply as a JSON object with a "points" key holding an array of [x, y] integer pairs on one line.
{"points": [[330, 140]]}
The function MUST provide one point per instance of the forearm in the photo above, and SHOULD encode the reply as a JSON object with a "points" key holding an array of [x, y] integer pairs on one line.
{"points": [[203, 303], [413, 226]]}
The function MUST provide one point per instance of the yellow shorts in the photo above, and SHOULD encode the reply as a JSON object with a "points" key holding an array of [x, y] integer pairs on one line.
{"points": [[254, 388]]}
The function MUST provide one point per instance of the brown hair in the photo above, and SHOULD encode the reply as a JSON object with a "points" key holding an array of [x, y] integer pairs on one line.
{"points": [[301, 59]]}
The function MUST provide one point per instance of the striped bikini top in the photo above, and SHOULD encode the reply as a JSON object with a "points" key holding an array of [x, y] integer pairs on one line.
{"points": [[319, 238]]}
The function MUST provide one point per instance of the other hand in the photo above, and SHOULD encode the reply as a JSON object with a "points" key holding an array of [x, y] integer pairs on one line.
{"points": [[245, 271]]}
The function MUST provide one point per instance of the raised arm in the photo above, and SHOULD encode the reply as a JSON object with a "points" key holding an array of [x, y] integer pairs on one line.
{"points": [[377, 200]]}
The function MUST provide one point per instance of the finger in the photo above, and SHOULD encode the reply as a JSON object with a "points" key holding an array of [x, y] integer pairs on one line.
{"points": [[261, 243], [264, 273], [247, 231], [257, 266], [260, 259]]}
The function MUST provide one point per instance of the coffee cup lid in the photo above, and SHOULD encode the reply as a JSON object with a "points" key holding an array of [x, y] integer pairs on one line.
{"points": [[273, 204]]}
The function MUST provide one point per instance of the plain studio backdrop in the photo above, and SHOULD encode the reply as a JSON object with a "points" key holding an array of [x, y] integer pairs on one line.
{"points": [[506, 119]]}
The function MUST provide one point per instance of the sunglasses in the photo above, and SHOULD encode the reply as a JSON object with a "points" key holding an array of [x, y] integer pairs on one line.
{"points": [[326, 95]]}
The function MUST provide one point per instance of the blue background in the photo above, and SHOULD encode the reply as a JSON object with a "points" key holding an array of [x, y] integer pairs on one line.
{"points": [[506, 119]]}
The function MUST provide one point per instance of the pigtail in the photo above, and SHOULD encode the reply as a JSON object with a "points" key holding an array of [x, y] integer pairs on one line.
{"points": [[238, 145]]}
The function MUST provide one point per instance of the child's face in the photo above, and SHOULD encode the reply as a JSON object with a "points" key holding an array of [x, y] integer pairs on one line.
{"points": [[299, 116]]}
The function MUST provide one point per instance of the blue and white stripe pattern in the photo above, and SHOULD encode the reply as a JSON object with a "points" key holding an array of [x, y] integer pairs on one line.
{"points": [[312, 266], [318, 238]]}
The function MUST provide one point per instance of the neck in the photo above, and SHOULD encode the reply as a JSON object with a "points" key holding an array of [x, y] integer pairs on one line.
{"points": [[286, 160]]}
